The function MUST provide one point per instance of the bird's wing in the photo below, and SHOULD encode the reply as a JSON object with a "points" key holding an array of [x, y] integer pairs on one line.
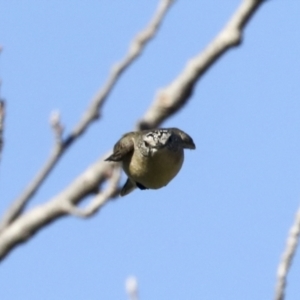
{"points": [[187, 141], [123, 147], [128, 187]]}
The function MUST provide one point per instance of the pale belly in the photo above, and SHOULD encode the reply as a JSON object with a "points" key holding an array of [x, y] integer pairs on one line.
{"points": [[154, 172]]}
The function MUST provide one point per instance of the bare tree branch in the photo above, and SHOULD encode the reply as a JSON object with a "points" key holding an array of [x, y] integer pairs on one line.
{"points": [[91, 114], [27, 224], [135, 49], [287, 257], [172, 98], [169, 101]]}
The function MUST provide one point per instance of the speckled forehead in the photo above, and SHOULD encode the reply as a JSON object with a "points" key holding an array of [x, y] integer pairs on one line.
{"points": [[157, 134]]}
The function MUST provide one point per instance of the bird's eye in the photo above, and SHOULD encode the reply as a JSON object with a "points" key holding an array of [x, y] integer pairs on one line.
{"points": [[171, 138], [146, 144]]}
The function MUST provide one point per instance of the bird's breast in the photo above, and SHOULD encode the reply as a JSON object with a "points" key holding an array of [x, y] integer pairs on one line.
{"points": [[154, 171]]}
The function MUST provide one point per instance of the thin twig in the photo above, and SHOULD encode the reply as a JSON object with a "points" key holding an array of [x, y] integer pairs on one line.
{"points": [[111, 191], [92, 113], [131, 286], [57, 126], [17, 206], [173, 97], [287, 257]]}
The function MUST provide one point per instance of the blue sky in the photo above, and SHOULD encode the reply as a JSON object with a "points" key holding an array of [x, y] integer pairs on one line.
{"points": [[218, 229]]}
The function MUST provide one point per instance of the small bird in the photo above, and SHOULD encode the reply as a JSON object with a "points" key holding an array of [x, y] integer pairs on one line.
{"points": [[151, 158]]}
